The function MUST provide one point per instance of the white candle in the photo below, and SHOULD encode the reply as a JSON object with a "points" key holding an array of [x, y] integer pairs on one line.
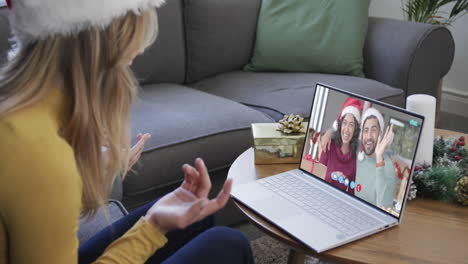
{"points": [[424, 105]]}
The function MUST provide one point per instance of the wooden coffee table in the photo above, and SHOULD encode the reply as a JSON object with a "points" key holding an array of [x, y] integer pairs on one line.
{"points": [[431, 231]]}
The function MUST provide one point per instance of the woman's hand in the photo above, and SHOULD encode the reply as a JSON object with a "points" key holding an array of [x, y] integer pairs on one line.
{"points": [[189, 203], [135, 151]]}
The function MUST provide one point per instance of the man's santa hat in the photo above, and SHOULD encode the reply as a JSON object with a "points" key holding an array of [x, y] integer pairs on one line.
{"points": [[350, 106], [368, 113], [32, 20]]}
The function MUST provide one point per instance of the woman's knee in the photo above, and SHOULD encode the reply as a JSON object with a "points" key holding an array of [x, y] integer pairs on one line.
{"points": [[228, 238], [216, 245]]}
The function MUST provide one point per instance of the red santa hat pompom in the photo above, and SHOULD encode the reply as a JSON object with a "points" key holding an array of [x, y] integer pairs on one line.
{"points": [[350, 106], [368, 113], [32, 20]]}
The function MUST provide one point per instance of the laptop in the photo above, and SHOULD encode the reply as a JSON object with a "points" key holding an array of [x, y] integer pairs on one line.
{"points": [[318, 203]]}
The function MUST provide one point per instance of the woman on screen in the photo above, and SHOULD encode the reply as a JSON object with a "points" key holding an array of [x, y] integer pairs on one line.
{"points": [[340, 159]]}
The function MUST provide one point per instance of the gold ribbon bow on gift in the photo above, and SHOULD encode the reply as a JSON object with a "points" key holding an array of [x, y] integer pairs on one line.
{"points": [[291, 124]]}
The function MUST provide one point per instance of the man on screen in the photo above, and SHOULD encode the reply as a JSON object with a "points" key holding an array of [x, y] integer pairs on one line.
{"points": [[375, 174]]}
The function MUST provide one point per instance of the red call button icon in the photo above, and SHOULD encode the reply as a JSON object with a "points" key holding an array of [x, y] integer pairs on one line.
{"points": [[358, 187]]}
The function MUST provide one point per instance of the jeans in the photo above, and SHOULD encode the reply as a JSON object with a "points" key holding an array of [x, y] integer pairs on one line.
{"points": [[198, 243]]}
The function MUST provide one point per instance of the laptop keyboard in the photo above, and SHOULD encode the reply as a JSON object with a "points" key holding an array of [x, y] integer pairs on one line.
{"points": [[319, 203]]}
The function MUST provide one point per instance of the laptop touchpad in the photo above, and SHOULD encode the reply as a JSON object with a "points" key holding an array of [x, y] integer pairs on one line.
{"points": [[275, 208]]}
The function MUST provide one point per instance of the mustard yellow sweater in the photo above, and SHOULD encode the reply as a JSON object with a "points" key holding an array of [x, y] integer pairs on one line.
{"points": [[40, 195]]}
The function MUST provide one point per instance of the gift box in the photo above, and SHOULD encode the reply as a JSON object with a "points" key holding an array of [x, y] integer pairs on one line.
{"points": [[312, 164], [314, 167], [273, 146]]}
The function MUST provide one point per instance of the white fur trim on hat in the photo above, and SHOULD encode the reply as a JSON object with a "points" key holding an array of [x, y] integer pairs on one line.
{"points": [[351, 110], [361, 155], [37, 19], [373, 112], [348, 110], [335, 125]]}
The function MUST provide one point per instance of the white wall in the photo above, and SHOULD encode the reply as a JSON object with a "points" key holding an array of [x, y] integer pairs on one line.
{"points": [[455, 83], [2, 3], [386, 8]]}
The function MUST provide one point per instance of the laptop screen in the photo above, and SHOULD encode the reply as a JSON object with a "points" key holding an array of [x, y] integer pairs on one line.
{"points": [[362, 147]]}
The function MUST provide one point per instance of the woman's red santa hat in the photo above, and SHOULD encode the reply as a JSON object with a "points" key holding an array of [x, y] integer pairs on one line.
{"points": [[32, 20], [350, 106]]}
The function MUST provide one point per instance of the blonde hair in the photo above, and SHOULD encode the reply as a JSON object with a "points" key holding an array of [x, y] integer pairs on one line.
{"points": [[92, 70]]}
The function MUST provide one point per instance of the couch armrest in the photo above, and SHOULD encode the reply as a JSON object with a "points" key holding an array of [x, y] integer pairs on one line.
{"points": [[407, 55]]}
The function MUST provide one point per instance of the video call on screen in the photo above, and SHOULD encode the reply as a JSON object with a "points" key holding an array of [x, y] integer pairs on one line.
{"points": [[370, 147]]}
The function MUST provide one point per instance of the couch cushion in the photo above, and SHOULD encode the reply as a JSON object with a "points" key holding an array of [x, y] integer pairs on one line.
{"points": [[185, 123], [164, 61], [220, 35], [311, 36], [286, 93]]}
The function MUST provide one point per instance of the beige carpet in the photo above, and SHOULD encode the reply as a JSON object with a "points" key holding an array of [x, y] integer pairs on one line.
{"points": [[267, 250]]}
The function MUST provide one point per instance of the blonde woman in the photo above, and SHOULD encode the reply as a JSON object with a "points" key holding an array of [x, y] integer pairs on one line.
{"points": [[66, 93]]}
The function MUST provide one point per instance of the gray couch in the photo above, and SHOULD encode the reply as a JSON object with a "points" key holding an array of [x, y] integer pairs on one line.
{"points": [[197, 102]]}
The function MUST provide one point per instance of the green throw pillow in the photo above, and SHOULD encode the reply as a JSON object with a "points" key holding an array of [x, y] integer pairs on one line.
{"points": [[322, 36]]}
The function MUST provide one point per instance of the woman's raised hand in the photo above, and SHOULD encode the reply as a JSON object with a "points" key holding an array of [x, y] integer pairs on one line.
{"points": [[189, 203], [135, 151]]}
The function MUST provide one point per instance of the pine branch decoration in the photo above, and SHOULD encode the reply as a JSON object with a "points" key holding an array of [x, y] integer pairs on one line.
{"points": [[447, 179]]}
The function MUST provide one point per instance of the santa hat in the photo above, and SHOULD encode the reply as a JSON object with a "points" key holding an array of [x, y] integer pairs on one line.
{"points": [[38, 19], [350, 106], [370, 112]]}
